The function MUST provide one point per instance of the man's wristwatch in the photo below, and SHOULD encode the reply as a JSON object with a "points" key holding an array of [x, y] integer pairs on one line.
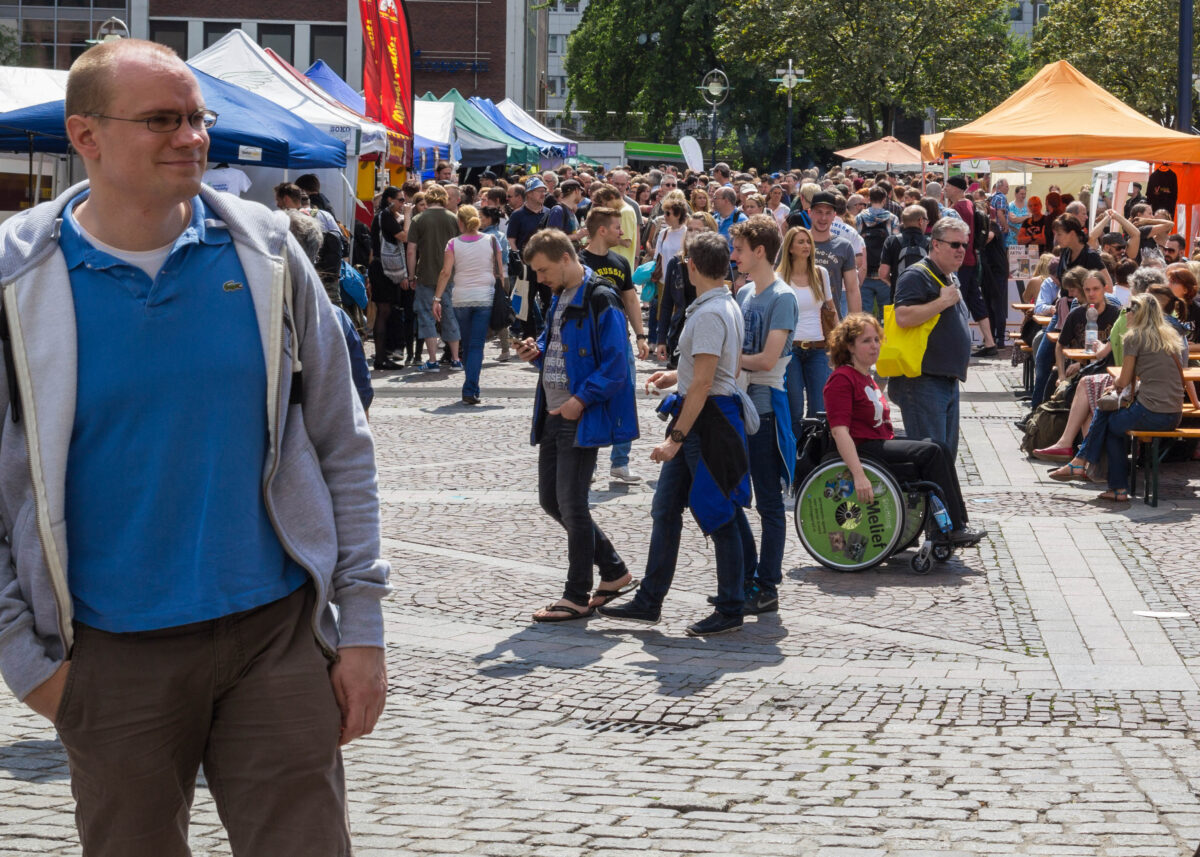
{"points": [[640, 336], [677, 435]]}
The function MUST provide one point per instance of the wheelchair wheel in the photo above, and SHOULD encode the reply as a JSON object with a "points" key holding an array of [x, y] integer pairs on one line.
{"points": [[942, 553], [916, 509], [838, 531]]}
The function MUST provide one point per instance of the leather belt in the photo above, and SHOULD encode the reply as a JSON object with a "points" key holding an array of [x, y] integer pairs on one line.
{"points": [[809, 345]]}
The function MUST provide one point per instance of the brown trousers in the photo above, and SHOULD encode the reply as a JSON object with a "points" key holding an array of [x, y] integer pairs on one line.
{"points": [[247, 696]]}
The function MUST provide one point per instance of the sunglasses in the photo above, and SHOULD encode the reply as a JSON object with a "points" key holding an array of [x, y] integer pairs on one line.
{"points": [[957, 245]]}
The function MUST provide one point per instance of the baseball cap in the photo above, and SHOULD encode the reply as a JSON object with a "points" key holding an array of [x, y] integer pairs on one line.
{"points": [[748, 188], [535, 184], [488, 174], [824, 198]]}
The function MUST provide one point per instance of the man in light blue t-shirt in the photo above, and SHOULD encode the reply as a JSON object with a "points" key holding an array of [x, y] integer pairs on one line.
{"points": [[769, 312]]}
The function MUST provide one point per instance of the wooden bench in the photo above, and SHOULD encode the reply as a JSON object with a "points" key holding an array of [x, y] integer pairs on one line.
{"points": [[1157, 453]]}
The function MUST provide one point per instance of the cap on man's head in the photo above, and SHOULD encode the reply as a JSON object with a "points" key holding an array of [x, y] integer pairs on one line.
{"points": [[824, 198], [958, 182], [747, 188], [488, 174], [534, 184]]}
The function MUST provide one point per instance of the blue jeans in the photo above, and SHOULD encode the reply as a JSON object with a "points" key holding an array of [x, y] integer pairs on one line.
{"points": [[473, 325], [564, 477], [843, 305], [666, 512], [929, 406], [767, 475], [619, 456], [1043, 365], [875, 291], [1108, 431], [804, 380]]}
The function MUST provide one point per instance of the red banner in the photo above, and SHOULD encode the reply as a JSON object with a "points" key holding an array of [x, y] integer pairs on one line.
{"points": [[395, 67], [371, 57]]}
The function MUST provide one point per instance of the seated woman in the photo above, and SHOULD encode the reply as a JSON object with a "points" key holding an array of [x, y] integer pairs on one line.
{"points": [[859, 420], [1092, 387], [1153, 355]]}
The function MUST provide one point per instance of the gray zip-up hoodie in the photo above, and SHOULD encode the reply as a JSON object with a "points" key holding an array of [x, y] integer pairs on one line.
{"points": [[319, 480]]}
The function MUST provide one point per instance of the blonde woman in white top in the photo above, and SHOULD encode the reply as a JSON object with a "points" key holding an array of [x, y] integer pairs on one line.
{"points": [[809, 367], [473, 261]]}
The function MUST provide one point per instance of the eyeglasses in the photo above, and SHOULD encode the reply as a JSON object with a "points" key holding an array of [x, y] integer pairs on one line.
{"points": [[956, 245], [165, 123]]}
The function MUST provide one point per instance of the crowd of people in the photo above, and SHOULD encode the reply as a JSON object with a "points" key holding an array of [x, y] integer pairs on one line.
{"points": [[809, 261]]}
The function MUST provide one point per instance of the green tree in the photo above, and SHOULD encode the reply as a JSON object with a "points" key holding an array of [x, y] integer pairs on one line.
{"points": [[875, 59], [629, 57], [1130, 48], [10, 46]]}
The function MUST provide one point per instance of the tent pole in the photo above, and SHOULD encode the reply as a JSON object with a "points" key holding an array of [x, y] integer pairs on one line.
{"points": [[32, 195], [1183, 111]]}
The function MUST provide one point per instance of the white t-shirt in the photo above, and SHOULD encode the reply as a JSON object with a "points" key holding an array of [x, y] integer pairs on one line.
{"points": [[474, 270], [670, 242], [808, 323], [845, 230], [228, 179], [150, 261], [780, 213]]}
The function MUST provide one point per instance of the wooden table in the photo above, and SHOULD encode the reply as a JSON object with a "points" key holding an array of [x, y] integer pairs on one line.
{"points": [[1053, 335], [1194, 349], [1079, 355], [1043, 320], [1022, 307]]}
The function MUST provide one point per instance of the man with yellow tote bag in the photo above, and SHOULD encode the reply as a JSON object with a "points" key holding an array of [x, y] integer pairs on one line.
{"points": [[925, 292]]}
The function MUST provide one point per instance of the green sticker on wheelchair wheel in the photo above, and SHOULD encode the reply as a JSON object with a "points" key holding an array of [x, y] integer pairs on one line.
{"points": [[839, 530]]}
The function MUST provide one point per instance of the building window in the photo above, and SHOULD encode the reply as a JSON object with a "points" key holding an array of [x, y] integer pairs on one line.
{"points": [[213, 31], [570, 5], [329, 44], [173, 34], [281, 38], [1017, 12]]}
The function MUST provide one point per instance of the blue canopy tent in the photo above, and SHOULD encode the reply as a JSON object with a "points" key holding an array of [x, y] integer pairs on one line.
{"points": [[325, 77], [250, 130], [426, 152], [488, 109]]}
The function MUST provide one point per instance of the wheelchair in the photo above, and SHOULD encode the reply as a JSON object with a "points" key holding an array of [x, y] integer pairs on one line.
{"points": [[843, 534]]}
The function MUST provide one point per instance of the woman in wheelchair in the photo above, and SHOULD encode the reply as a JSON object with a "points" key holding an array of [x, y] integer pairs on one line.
{"points": [[859, 420]]}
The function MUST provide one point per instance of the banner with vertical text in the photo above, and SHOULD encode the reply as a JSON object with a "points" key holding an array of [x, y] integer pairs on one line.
{"points": [[395, 67]]}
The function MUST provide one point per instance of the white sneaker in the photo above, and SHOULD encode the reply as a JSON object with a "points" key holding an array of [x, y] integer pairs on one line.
{"points": [[622, 474]]}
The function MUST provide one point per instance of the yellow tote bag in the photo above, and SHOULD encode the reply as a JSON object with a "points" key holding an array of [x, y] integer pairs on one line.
{"points": [[903, 348]]}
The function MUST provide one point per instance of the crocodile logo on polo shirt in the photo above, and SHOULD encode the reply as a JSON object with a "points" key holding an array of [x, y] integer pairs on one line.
{"points": [[232, 286]]}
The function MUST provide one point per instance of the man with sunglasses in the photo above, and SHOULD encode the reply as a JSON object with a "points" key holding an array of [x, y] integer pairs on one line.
{"points": [[199, 579], [928, 289]]}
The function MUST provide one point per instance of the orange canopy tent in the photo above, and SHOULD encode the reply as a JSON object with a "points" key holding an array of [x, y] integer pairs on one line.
{"points": [[888, 150], [1061, 117]]}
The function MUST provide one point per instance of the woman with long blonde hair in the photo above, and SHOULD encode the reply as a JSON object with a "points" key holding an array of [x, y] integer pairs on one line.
{"points": [[809, 368], [1154, 355]]}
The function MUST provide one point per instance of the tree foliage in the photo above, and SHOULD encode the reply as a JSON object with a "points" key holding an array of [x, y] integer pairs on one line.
{"points": [[1130, 48], [10, 46], [609, 70], [877, 58]]}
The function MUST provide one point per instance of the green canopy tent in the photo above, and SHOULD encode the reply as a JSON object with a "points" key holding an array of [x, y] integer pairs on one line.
{"points": [[467, 116], [656, 152]]}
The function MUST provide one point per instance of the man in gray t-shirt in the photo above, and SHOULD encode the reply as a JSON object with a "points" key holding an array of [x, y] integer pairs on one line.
{"points": [[708, 358], [837, 257]]}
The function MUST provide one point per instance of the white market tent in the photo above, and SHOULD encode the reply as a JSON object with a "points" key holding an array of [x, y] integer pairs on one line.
{"points": [[1115, 178], [25, 87], [514, 114], [433, 121], [238, 59]]}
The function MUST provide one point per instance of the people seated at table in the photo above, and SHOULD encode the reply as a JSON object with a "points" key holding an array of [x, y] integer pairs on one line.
{"points": [[1074, 329], [1069, 296], [1041, 273], [860, 422], [1092, 387], [1153, 353]]}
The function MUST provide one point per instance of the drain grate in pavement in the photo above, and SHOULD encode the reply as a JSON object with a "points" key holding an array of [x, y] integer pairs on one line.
{"points": [[633, 727]]}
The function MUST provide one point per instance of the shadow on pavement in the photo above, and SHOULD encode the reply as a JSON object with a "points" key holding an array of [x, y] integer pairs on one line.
{"points": [[35, 761], [557, 646], [893, 573]]}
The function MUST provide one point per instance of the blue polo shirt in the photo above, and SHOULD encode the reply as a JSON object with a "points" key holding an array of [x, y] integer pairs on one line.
{"points": [[166, 523]]}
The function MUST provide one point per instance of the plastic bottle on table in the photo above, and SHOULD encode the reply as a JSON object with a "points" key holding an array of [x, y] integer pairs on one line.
{"points": [[1091, 336]]}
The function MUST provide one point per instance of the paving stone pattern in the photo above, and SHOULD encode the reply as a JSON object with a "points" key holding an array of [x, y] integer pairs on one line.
{"points": [[1013, 701]]}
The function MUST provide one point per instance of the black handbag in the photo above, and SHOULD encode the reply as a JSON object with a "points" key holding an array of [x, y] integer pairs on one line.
{"points": [[502, 311]]}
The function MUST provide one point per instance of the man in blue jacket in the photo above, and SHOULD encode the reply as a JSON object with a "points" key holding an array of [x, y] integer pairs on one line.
{"points": [[584, 401]]}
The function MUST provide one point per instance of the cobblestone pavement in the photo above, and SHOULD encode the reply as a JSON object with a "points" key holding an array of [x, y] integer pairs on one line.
{"points": [[1037, 695]]}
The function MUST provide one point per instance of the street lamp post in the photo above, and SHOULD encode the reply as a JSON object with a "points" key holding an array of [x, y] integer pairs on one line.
{"points": [[789, 78], [1183, 109], [715, 89]]}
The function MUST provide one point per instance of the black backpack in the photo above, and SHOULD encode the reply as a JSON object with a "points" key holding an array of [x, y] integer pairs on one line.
{"points": [[981, 233], [874, 236], [910, 254]]}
